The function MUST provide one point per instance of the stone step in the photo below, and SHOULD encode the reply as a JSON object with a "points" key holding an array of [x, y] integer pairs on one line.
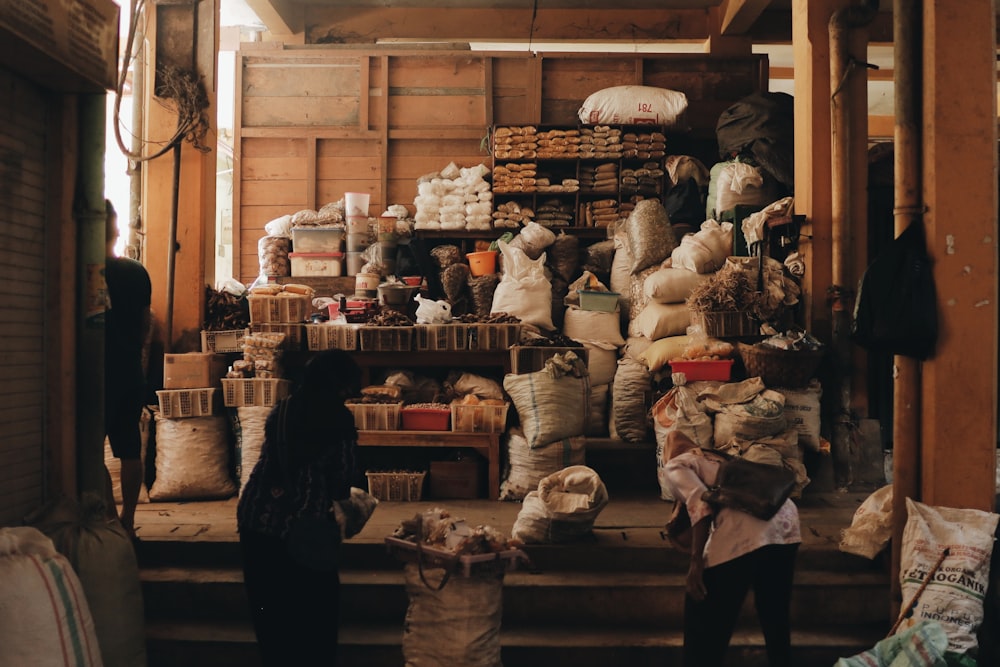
{"points": [[221, 644], [820, 599]]}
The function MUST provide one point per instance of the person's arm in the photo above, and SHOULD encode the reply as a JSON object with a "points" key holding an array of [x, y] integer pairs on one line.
{"points": [[696, 567]]}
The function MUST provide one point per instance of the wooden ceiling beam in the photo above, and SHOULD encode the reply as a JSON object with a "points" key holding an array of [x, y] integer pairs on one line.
{"points": [[353, 25], [738, 16]]}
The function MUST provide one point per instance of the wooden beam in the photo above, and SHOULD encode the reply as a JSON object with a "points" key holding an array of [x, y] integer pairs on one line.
{"points": [[280, 17], [337, 25], [739, 15]]}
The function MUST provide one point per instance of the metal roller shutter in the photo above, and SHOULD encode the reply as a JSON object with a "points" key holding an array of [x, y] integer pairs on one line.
{"points": [[24, 108]]}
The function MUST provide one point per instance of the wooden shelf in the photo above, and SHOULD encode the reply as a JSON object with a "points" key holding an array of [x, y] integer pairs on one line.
{"points": [[487, 444]]}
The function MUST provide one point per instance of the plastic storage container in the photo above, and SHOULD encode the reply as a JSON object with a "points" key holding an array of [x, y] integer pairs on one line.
{"points": [[316, 263], [425, 419], [317, 239], [708, 369], [606, 302]]}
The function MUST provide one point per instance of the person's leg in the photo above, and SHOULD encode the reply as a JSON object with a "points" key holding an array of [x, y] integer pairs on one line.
{"points": [[774, 570], [122, 414], [265, 578], [709, 624], [131, 479]]}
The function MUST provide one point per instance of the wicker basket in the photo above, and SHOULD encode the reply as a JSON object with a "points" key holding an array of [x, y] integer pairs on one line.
{"points": [[780, 368]]}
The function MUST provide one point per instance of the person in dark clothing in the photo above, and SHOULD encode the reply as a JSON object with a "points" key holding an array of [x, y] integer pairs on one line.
{"points": [[732, 553], [307, 461], [127, 325]]}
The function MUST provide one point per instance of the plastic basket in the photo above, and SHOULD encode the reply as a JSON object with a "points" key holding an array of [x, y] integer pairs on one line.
{"points": [[177, 403], [375, 416], [780, 368], [261, 392], [386, 339], [223, 341], [396, 486], [492, 337], [472, 418], [294, 333], [466, 565], [331, 337], [437, 337], [280, 308]]}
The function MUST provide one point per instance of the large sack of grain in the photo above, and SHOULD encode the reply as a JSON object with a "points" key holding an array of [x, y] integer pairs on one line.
{"points": [[629, 105], [45, 620], [456, 625], [563, 508], [192, 459], [102, 555], [524, 291], [551, 403], [630, 394], [650, 236], [527, 466]]}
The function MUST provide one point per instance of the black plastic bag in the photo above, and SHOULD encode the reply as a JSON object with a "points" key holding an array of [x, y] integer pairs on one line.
{"points": [[896, 310]]}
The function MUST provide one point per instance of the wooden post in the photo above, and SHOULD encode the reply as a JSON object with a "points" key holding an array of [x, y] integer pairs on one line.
{"points": [[959, 388]]}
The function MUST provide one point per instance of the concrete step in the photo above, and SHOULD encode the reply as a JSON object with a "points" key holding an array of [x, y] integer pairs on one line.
{"points": [[609, 599], [232, 645]]}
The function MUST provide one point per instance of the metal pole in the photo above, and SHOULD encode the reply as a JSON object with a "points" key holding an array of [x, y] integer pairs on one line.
{"points": [[908, 186]]}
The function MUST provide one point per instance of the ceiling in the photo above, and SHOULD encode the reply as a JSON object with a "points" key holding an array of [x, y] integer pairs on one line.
{"points": [[762, 20]]}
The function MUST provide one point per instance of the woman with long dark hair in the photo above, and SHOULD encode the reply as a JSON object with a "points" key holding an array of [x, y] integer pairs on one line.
{"points": [[307, 461]]}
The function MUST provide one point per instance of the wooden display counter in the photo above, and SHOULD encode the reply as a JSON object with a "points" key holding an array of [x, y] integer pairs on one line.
{"points": [[487, 444]]}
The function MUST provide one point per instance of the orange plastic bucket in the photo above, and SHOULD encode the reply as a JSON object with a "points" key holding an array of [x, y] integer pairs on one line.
{"points": [[482, 263]]}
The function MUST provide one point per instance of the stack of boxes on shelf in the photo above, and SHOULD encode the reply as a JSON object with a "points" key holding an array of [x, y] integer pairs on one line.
{"points": [[316, 251], [190, 384], [255, 380]]}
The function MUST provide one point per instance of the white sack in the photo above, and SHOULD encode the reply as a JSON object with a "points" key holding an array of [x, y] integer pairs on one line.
{"points": [[593, 326], [871, 526], [660, 320], [803, 411], [563, 508], [192, 459], [629, 105], [671, 285], [248, 427], [602, 362], [38, 628], [523, 290], [954, 596]]}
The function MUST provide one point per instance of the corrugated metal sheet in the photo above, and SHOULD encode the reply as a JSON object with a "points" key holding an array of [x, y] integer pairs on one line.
{"points": [[22, 325]]}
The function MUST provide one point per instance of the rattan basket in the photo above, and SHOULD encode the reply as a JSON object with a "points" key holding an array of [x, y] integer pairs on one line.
{"points": [[780, 368]]}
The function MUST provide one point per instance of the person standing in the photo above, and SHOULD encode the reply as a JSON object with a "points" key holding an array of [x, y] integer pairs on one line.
{"points": [[307, 461], [127, 326], [732, 552]]}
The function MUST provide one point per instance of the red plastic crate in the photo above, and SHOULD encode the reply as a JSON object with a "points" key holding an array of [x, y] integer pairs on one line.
{"points": [[425, 419], [709, 369]]}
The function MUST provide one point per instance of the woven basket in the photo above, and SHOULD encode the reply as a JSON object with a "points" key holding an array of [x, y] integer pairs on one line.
{"points": [[780, 368]]}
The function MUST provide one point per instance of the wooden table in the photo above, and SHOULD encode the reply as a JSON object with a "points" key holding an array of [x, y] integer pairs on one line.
{"points": [[487, 444]]}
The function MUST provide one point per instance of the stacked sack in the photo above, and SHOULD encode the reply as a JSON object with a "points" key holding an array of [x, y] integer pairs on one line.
{"points": [[454, 199]]}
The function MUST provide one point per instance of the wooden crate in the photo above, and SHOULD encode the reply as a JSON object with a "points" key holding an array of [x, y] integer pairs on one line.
{"points": [[441, 337]]}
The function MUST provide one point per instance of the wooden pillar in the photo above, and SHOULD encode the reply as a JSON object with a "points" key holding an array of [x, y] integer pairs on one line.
{"points": [[959, 389], [811, 52], [195, 212]]}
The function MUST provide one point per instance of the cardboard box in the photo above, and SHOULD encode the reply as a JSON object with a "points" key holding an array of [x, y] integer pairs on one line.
{"points": [[455, 479], [193, 370]]}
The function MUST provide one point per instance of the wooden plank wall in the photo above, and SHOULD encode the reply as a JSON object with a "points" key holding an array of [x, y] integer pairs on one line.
{"points": [[316, 122]]}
